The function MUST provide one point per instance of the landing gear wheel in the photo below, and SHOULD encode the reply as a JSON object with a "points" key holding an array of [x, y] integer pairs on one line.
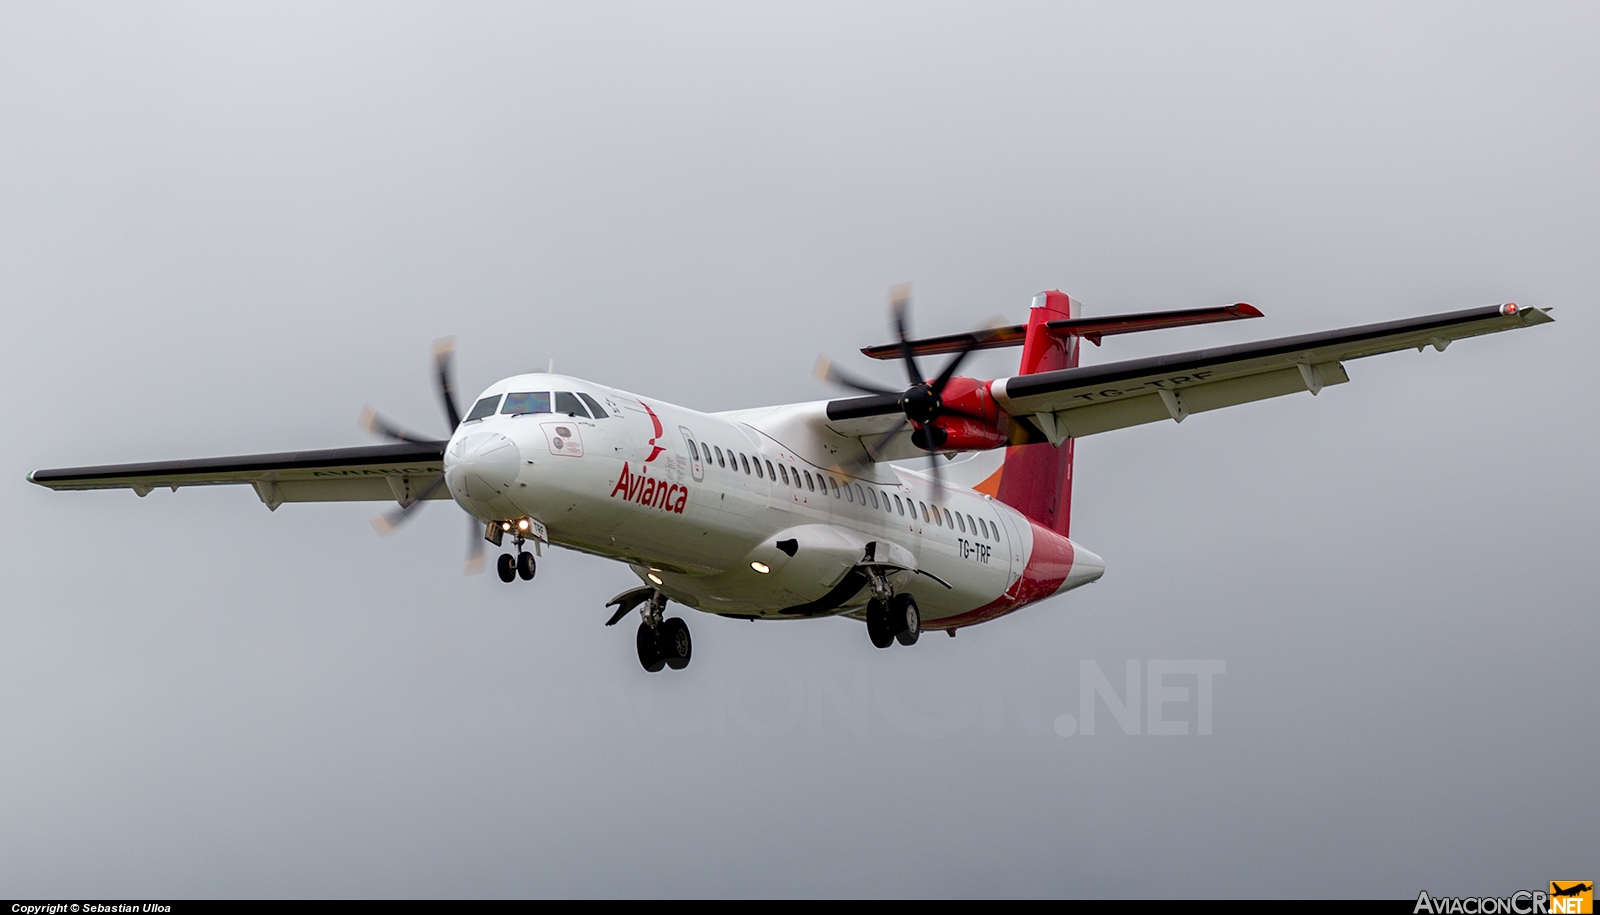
{"points": [[675, 645], [525, 566], [506, 565], [649, 649], [878, 628], [906, 618]]}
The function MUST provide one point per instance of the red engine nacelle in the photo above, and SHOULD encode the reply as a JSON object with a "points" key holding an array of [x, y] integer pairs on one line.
{"points": [[979, 430]]}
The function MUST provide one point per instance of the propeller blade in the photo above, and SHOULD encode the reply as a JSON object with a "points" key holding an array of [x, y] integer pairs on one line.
{"points": [[377, 425], [975, 340], [474, 563], [443, 350], [938, 477], [900, 303], [898, 427], [827, 371], [390, 521]]}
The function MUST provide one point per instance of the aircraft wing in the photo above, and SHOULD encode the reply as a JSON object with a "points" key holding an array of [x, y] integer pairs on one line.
{"points": [[370, 473], [1072, 403]]}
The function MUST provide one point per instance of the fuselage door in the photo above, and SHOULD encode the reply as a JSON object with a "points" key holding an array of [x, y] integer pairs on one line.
{"points": [[695, 468]]}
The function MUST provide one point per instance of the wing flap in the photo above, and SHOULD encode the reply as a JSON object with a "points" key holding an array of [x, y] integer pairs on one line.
{"points": [[1177, 405]]}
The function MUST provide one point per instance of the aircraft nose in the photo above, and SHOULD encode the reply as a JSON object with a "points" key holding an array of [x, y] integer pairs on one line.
{"points": [[481, 466]]}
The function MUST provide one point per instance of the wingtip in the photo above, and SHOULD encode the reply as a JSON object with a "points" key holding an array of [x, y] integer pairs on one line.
{"points": [[1245, 309]]}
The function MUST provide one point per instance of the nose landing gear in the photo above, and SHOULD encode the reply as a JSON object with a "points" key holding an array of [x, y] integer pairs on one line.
{"points": [[521, 565]]}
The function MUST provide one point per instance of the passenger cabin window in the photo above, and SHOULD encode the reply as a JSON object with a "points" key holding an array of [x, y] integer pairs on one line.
{"points": [[874, 496], [594, 406], [482, 408], [885, 501], [794, 476], [783, 470], [960, 523], [568, 403], [758, 469], [835, 487], [924, 507], [746, 465], [947, 519], [770, 474], [899, 507], [860, 496], [518, 404], [811, 485], [849, 496]]}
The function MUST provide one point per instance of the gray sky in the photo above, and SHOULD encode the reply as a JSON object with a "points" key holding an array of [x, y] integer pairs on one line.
{"points": [[223, 228]]}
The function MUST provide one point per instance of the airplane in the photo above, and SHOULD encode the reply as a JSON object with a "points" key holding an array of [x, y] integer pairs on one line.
{"points": [[1577, 889], [806, 510]]}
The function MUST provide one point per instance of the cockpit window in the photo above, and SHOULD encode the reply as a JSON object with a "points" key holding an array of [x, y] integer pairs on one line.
{"points": [[568, 403], [482, 408], [594, 406], [536, 402]]}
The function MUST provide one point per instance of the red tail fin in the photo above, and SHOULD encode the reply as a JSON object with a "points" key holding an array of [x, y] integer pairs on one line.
{"points": [[1037, 479]]}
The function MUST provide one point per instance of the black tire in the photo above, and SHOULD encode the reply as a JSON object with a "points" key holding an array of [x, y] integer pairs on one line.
{"points": [[906, 618], [526, 566], [649, 649], [878, 625], [675, 644], [506, 565]]}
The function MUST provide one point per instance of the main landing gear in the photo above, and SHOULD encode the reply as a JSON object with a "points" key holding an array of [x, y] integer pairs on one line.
{"points": [[519, 566], [894, 620], [891, 617], [662, 642]]}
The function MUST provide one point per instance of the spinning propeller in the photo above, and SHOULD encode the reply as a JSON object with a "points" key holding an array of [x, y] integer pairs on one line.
{"points": [[922, 404], [386, 523]]}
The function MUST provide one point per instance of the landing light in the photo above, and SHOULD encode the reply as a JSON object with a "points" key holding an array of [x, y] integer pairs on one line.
{"points": [[522, 525], [760, 567], [505, 525], [654, 578]]}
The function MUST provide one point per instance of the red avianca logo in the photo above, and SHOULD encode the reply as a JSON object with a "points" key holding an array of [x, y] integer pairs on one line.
{"points": [[641, 489], [656, 449]]}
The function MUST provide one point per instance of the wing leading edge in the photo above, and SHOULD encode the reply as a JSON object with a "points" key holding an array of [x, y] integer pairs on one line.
{"points": [[369, 473]]}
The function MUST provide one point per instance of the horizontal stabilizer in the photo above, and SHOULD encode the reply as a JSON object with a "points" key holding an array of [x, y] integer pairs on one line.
{"points": [[1091, 329]]}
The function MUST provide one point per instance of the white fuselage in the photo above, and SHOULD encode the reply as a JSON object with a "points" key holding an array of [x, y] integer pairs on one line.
{"points": [[703, 501]]}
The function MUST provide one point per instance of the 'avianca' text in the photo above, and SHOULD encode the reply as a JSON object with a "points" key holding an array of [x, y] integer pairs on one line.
{"points": [[648, 491]]}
